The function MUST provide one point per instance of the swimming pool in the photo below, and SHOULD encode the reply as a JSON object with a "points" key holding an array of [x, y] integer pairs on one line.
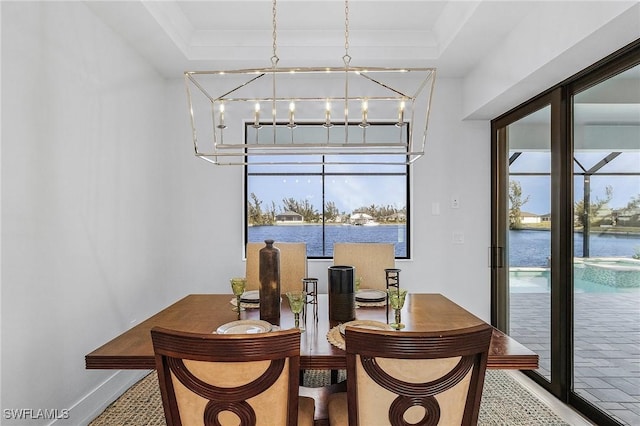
{"points": [[591, 275], [608, 271]]}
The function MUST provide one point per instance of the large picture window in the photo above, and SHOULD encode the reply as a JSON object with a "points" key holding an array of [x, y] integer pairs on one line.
{"points": [[339, 198]]}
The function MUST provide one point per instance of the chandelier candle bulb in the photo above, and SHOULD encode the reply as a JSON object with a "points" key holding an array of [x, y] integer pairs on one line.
{"points": [[401, 113], [365, 109], [327, 115], [221, 125], [292, 108], [256, 119]]}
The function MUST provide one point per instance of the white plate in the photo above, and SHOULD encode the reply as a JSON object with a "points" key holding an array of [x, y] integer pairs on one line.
{"points": [[368, 324], [251, 296], [245, 327], [367, 295]]}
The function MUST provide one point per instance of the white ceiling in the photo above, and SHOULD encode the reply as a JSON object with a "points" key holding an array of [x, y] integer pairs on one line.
{"points": [[462, 39], [177, 36]]}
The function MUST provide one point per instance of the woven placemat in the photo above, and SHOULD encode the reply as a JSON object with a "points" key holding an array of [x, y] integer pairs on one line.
{"points": [[336, 338], [245, 304], [370, 304]]}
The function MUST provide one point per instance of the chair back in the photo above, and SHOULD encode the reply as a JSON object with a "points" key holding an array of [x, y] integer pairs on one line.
{"points": [[369, 259], [401, 378], [246, 379], [293, 265]]}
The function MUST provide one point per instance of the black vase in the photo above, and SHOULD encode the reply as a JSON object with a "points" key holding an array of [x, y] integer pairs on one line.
{"points": [[342, 297], [270, 283]]}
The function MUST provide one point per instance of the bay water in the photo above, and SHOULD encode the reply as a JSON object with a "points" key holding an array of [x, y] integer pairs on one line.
{"points": [[526, 247]]}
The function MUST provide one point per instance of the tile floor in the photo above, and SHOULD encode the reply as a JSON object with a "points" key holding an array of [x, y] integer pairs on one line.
{"points": [[607, 343]]}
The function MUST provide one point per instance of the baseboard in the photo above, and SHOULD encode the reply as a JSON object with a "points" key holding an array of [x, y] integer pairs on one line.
{"points": [[94, 403]]}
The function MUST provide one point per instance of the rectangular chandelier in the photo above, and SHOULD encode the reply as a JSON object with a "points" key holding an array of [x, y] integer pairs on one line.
{"points": [[344, 115]]}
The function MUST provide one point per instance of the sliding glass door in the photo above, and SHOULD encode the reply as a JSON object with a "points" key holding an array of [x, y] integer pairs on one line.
{"points": [[606, 284], [528, 231], [566, 236]]}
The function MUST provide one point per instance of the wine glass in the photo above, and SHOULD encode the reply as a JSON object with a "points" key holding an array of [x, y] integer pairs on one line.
{"points": [[297, 300], [238, 285], [358, 282], [396, 301]]}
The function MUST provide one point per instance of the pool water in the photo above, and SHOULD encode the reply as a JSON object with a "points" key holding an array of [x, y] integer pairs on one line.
{"points": [[592, 280]]}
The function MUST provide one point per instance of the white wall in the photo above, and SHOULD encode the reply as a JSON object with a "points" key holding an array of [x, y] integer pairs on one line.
{"points": [[85, 204]]}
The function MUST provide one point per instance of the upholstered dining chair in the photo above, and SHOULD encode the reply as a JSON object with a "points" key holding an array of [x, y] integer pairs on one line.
{"points": [[293, 265], [369, 259], [407, 377], [231, 379]]}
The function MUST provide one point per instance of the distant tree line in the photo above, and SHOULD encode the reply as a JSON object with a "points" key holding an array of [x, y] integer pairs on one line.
{"points": [[597, 212], [260, 213]]}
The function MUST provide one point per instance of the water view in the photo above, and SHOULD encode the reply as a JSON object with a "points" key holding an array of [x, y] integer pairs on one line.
{"points": [[313, 236], [533, 248], [527, 247]]}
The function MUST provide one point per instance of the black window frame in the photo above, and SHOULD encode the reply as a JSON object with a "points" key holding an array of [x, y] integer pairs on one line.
{"points": [[324, 174]]}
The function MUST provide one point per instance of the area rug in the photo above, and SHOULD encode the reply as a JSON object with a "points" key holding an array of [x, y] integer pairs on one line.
{"points": [[504, 402]]}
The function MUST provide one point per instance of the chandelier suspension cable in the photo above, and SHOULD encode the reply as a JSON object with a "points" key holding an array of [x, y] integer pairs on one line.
{"points": [[274, 35], [274, 65], [346, 58]]}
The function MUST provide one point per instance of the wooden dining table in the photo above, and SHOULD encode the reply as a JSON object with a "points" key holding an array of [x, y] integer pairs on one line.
{"points": [[204, 313]]}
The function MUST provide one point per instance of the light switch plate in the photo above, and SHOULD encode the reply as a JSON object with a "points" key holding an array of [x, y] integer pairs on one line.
{"points": [[458, 237]]}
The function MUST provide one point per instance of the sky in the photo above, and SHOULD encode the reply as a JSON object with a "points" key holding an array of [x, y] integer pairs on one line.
{"points": [[347, 192], [352, 192], [538, 188]]}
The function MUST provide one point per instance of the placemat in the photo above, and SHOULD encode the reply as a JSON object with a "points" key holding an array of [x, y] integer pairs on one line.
{"points": [[245, 304], [370, 304], [335, 338]]}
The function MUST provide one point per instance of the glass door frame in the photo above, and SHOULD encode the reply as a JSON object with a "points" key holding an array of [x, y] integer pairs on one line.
{"points": [[561, 215]]}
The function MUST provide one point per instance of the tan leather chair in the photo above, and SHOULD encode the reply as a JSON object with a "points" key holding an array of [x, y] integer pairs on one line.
{"points": [[293, 265], [399, 378], [369, 259], [246, 379]]}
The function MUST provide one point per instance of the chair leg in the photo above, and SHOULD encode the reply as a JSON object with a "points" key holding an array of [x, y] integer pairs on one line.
{"points": [[334, 377]]}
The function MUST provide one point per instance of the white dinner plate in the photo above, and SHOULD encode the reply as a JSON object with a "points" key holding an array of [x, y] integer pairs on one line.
{"points": [[368, 324], [245, 327], [368, 295], [251, 296]]}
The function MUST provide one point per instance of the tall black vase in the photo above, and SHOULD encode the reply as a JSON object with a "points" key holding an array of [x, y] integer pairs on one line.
{"points": [[342, 297], [270, 283]]}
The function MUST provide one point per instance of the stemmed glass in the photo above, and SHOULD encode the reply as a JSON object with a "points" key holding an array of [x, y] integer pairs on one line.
{"points": [[358, 283], [238, 285], [297, 300], [396, 301]]}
